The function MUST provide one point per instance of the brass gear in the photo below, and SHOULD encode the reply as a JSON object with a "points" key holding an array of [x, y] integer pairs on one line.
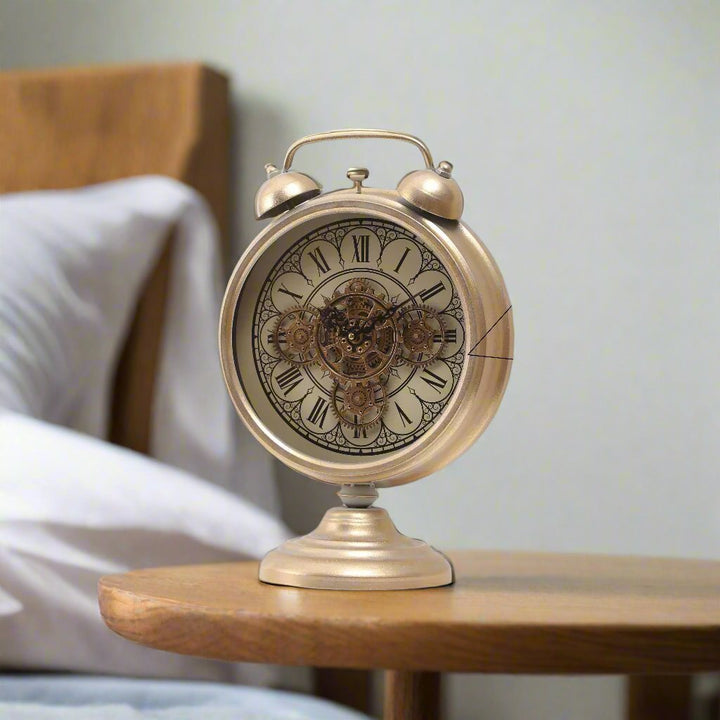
{"points": [[356, 351], [294, 335], [420, 328], [358, 404]]}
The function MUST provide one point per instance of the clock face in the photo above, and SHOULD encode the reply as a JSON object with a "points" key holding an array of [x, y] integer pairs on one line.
{"points": [[349, 338]]}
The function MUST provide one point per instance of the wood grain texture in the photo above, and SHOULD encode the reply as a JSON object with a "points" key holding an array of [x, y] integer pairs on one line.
{"points": [[69, 127], [411, 695], [66, 128], [507, 613]]}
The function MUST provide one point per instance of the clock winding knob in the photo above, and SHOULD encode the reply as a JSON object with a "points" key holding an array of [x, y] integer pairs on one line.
{"points": [[356, 175]]}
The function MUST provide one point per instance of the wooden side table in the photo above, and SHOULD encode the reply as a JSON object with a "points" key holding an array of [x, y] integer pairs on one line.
{"points": [[523, 613]]}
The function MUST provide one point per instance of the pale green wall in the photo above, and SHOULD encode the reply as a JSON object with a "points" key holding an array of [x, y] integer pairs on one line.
{"points": [[585, 138]]}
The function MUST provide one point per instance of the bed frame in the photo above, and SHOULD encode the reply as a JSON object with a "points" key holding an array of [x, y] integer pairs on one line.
{"points": [[66, 128], [69, 128]]}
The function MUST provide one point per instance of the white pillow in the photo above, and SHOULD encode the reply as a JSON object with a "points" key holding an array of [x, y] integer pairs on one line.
{"points": [[71, 265], [74, 508]]}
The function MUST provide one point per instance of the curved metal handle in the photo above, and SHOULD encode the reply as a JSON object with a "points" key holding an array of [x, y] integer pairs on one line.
{"points": [[354, 134]]}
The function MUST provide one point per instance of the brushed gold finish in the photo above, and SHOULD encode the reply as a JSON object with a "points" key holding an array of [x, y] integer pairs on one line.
{"points": [[356, 549], [358, 496], [357, 176], [283, 191], [433, 191]]}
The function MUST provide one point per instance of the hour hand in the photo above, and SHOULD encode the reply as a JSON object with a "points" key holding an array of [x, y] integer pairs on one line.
{"points": [[374, 320]]}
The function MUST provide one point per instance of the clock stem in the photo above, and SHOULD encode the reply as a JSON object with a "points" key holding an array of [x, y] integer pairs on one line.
{"points": [[358, 495]]}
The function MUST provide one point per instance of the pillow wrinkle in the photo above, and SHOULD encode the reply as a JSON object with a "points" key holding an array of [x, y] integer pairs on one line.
{"points": [[73, 508], [73, 262]]}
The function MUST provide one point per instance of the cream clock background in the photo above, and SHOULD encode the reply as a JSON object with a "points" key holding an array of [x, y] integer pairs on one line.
{"points": [[585, 138]]}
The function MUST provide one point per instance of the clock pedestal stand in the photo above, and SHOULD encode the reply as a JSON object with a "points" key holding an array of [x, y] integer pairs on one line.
{"points": [[356, 547]]}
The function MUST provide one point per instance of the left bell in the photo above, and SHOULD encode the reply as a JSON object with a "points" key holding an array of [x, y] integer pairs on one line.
{"points": [[283, 191]]}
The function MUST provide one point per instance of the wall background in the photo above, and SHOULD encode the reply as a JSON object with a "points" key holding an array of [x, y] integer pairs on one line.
{"points": [[585, 138]]}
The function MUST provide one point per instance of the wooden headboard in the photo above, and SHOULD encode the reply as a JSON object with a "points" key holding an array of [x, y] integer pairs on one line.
{"points": [[72, 127], [66, 128]]}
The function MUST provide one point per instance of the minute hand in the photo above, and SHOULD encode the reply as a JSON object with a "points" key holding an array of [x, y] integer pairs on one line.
{"points": [[372, 321]]}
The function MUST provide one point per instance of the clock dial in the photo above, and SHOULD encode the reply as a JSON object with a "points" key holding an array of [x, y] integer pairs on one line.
{"points": [[353, 337]]}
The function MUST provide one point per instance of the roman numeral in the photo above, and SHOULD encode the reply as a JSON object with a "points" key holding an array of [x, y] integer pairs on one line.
{"points": [[319, 412], [431, 292], [361, 248], [319, 259], [359, 431], [450, 336], [434, 381], [288, 380], [403, 416], [289, 293], [402, 260], [280, 336]]}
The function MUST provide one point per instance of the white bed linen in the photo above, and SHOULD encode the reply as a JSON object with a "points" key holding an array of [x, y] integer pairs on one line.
{"points": [[71, 266], [74, 508], [97, 698]]}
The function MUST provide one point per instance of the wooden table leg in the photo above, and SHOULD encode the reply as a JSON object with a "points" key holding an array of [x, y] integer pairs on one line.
{"points": [[659, 697], [412, 695]]}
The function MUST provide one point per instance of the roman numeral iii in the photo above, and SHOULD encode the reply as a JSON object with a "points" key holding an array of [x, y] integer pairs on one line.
{"points": [[431, 292], [450, 336]]}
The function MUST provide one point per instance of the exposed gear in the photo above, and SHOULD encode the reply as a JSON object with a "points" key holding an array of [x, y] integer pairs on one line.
{"points": [[356, 342], [422, 331], [359, 405], [294, 335]]}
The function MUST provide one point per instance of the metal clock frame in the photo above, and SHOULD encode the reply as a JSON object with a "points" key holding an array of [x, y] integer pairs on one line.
{"points": [[488, 340]]}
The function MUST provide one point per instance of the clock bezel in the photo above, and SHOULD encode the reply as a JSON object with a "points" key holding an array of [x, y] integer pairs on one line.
{"points": [[482, 382]]}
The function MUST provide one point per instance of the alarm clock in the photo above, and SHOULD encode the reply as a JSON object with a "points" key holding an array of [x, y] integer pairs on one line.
{"points": [[366, 341]]}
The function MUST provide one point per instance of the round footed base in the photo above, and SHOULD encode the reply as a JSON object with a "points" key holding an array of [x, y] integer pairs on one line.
{"points": [[356, 549]]}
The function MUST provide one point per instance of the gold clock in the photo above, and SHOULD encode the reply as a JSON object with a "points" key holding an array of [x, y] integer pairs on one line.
{"points": [[366, 341]]}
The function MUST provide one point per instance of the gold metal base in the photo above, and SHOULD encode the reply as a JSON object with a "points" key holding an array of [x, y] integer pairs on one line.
{"points": [[356, 549]]}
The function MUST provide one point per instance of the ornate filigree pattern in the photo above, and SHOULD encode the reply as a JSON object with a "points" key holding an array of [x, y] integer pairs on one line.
{"points": [[365, 358]]}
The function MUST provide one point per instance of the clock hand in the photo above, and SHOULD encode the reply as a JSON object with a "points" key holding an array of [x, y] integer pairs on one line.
{"points": [[372, 321]]}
